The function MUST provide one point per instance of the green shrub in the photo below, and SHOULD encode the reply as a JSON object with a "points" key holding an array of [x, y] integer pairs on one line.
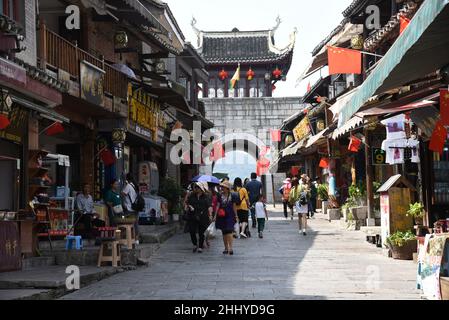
{"points": [[400, 238]]}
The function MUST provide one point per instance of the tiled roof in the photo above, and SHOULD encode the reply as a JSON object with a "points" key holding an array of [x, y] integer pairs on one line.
{"points": [[391, 29], [244, 47], [330, 36], [354, 7]]}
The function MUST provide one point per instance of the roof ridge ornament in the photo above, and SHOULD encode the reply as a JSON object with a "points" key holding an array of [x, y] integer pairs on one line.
{"points": [[198, 32], [278, 22]]}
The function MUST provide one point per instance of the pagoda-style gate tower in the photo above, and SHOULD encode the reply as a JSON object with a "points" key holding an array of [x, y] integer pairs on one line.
{"points": [[249, 107]]}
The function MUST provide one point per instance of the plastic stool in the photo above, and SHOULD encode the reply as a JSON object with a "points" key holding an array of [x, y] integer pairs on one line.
{"points": [[78, 242]]}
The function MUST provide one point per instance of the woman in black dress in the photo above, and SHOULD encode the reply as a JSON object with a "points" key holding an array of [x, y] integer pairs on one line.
{"points": [[199, 206]]}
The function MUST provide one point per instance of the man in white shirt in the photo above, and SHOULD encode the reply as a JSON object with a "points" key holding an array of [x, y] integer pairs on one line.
{"points": [[129, 196], [86, 214], [129, 193]]}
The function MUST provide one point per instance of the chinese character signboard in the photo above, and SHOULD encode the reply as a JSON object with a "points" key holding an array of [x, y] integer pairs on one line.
{"points": [[12, 73], [302, 130], [145, 115], [92, 83]]}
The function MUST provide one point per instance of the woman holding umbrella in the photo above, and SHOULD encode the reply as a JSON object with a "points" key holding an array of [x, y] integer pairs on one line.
{"points": [[226, 217]]}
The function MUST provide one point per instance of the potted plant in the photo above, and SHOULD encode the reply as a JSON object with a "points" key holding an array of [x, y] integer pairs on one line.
{"points": [[402, 245], [323, 195], [346, 208], [416, 211], [172, 191]]}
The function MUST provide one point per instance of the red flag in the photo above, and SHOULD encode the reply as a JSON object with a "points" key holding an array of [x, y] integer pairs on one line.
{"points": [[4, 122], [345, 61], [54, 129], [324, 163], [309, 87], [275, 135], [107, 157], [217, 152], [355, 144], [438, 138], [294, 171], [404, 22], [263, 164], [444, 106]]}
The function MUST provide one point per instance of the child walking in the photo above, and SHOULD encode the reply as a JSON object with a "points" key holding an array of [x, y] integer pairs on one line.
{"points": [[261, 215]]}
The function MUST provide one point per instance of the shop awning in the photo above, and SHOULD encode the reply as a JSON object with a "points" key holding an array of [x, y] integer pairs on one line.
{"points": [[353, 123], [43, 111], [426, 119], [172, 98], [389, 109], [294, 148], [420, 50], [342, 101], [317, 138]]}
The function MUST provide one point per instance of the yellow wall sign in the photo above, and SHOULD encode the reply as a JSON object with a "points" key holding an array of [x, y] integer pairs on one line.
{"points": [[145, 115], [302, 130]]}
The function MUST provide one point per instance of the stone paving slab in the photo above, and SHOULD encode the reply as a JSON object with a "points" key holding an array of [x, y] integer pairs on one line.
{"points": [[329, 263]]}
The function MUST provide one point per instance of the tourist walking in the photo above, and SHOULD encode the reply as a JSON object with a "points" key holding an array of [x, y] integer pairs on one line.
{"points": [[300, 197], [313, 197], [226, 217], [261, 215], [242, 205], [285, 191], [199, 213], [254, 188]]}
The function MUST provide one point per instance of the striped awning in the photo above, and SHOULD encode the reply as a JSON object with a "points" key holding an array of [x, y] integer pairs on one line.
{"points": [[421, 49]]}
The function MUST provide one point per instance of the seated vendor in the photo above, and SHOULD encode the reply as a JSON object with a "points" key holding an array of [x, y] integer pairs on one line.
{"points": [[86, 215]]}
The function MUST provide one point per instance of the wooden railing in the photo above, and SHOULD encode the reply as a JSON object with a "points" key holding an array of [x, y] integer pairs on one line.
{"points": [[59, 53]]}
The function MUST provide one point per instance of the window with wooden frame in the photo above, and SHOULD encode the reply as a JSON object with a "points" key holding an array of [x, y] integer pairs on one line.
{"points": [[10, 8]]}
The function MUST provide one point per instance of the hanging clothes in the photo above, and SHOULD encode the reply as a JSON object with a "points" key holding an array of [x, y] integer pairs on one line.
{"points": [[395, 150], [395, 127]]}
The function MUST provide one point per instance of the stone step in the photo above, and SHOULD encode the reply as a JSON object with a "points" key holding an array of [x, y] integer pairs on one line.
{"points": [[44, 245], [35, 262], [89, 255], [157, 234], [53, 277]]}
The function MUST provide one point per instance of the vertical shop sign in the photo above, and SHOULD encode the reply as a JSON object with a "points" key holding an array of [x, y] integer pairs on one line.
{"points": [[92, 83]]}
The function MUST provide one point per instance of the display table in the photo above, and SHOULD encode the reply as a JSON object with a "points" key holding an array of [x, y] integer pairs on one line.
{"points": [[433, 266]]}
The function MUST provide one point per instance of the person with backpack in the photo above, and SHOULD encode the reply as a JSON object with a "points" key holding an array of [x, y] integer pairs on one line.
{"points": [[133, 202], [300, 197], [242, 202], [255, 189]]}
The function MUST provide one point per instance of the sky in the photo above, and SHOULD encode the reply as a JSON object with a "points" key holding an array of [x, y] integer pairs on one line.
{"points": [[314, 19], [246, 165]]}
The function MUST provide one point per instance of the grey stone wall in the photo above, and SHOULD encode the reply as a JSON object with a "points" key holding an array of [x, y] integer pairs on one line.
{"points": [[253, 114], [30, 54]]}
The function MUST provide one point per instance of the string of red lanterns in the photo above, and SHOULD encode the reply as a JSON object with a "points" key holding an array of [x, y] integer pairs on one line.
{"points": [[250, 74]]}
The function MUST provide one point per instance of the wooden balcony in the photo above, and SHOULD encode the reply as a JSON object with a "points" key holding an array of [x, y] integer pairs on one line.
{"points": [[59, 54]]}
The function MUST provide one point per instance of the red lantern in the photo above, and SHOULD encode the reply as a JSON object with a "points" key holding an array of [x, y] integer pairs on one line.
{"points": [[295, 171], [324, 163], [250, 74], [107, 157], [223, 74], [277, 73], [4, 122]]}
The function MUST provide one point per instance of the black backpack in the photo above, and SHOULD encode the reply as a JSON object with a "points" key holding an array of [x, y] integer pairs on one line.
{"points": [[236, 198], [139, 203], [303, 198]]}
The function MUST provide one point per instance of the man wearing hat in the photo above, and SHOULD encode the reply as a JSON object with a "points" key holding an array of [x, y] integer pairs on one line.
{"points": [[199, 206]]}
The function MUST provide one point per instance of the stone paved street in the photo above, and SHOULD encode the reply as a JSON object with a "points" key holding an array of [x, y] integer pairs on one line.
{"points": [[328, 263]]}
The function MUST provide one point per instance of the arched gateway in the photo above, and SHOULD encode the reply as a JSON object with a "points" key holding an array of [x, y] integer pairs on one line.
{"points": [[245, 113]]}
